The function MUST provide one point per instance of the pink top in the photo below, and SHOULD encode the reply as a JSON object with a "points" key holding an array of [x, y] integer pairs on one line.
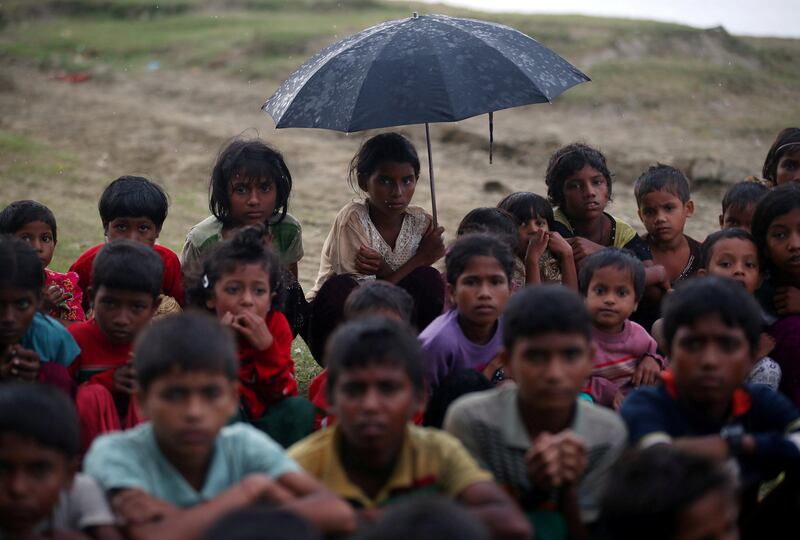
{"points": [[71, 308]]}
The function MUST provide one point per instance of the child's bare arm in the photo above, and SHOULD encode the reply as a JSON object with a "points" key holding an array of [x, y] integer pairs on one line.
{"points": [[310, 500], [496, 509]]}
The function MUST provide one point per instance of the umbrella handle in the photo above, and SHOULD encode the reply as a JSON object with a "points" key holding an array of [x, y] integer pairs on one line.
{"points": [[430, 173]]}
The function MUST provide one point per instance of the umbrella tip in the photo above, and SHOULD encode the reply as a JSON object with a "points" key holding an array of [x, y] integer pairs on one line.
{"points": [[414, 15]]}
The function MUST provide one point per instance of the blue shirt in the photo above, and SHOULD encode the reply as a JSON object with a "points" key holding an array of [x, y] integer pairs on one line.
{"points": [[132, 459], [51, 341]]}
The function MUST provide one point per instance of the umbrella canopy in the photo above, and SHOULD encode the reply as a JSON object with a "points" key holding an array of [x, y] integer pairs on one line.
{"points": [[422, 69]]}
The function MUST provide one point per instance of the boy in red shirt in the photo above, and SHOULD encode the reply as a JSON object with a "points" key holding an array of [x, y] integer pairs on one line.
{"points": [[126, 280], [134, 208]]}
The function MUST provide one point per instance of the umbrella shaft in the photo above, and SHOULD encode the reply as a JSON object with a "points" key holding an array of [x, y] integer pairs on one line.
{"points": [[430, 174]]}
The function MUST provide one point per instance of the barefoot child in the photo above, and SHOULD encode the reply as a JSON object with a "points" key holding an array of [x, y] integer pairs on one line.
{"points": [[626, 357], [177, 474], [373, 457], [134, 208], [739, 204], [240, 282], [35, 223], [537, 436], [126, 280], [543, 256]]}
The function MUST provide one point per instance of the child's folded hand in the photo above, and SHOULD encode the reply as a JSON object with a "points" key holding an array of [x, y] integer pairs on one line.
{"points": [[535, 250], [431, 246], [53, 296], [647, 372], [559, 246], [125, 380], [368, 261], [582, 248], [573, 456], [21, 364], [136, 507], [544, 462], [765, 345], [787, 301], [254, 329]]}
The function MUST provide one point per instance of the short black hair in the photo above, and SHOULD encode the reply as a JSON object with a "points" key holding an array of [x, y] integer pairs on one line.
{"points": [[251, 160], [617, 258], [382, 148], [701, 297], [40, 412], [22, 268], [427, 518], [787, 140], [262, 523], [379, 295], [650, 489], [525, 206], [488, 220], [544, 309], [364, 342], [662, 177], [778, 202], [707, 249], [743, 194], [248, 246], [189, 341], [19, 213], [128, 265], [133, 196], [567, 161], [477, 245]]}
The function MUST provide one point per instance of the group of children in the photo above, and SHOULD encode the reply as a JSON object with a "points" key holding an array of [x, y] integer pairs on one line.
{"points": [[563, 377]]}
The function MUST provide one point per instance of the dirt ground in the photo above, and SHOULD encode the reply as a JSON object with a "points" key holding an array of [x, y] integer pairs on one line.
{"points": [[170, 125]]}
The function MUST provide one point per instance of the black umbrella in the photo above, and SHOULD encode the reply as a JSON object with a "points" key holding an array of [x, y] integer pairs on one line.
{"points": [[423, 69]]}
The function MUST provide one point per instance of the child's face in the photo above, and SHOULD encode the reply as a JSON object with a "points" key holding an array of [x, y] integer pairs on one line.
{"points": [[252, 201], [711, 517], [40, 236], [31, 479], [139, 229], [709, 360], [528, 231], [372, 405], [550, 369], [783, 244], [245, 289], [585, 194], [611, 298], [737, 259], [17, 308], [788, 169], [664, 215], [390, 187], [122, 314], [187, 410], [737, 217], [481, 291]]}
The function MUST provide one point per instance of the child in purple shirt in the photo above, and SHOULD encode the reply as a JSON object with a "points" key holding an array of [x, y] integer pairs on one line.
{"points": [[479, 268]]}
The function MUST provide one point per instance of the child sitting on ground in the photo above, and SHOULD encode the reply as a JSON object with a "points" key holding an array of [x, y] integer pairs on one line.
{"points": [[712, 328], [134, 208], [551, 450], [372, 456], [241, 285], [40, 492], [126, 280], [33, 346], [739, 204], [543, 256], [174, 476], [479, 268], [664, 494], [35, 223], [612, 283]]}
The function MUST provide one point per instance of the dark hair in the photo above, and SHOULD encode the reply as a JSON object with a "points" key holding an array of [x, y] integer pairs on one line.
{"points": [[621, 259], [707, 249], [128, 265], [456, 384], [788, 140], [379, 149], [567, 161], [427, 518], [379, 295], [701, 297], [261, 523], [22, 268], [19, 213], [189, 341], [40, 412], [662, 177], [364, 342], [133, 196], [743, 194], [477, 245], [544, 309], [494, 221], [525, 206], [651, 489], [253, 161], [246, 247], [778, 202]]}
